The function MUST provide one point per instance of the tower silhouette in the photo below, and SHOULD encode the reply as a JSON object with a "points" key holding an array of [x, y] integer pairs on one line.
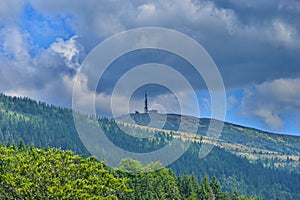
{"points": [[146, 103]]}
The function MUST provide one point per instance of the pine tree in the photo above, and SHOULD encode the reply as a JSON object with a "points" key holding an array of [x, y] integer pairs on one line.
{"points": [[216, 189], [205, 191]]}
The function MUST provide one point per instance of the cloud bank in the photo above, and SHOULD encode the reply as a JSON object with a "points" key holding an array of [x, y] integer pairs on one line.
{"points": [[255, 45], [273, 100]]}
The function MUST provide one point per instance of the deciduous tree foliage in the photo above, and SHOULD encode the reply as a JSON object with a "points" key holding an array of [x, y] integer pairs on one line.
{"points": [[32, 173]]}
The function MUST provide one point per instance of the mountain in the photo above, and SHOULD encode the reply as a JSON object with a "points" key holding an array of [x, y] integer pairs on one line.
{"points": [[274, 150], [258, 163], [254, 162]]}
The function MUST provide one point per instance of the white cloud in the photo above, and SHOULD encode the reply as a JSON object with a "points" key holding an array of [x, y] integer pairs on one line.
{"points": [[58, 91], [232, 101], [271, 118], [272, 101], [87, 101], [147, 10], [168, 102], [205, 105], [290, 5], [14, 58], [14, 43], [284, 33], [45, 76], [69, 49], [10, 11]]}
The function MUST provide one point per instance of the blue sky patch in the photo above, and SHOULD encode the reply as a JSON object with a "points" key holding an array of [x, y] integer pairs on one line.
{"points": [[43, 30]]}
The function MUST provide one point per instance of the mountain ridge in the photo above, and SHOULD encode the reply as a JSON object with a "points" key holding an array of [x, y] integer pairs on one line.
{"points": [[225, 122], [50, 126], [251, 143]]}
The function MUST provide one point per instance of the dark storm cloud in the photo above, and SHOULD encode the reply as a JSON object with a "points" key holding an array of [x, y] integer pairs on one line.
{"points": [[250, 41], [263, 47]]}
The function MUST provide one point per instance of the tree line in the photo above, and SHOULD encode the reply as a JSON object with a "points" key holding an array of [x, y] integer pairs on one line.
{"points": [[27, 172]]}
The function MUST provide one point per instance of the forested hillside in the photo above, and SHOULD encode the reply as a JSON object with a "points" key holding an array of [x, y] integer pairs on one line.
{"points": [[38, 123], [35, 173], [276, 151], [22, 119]]}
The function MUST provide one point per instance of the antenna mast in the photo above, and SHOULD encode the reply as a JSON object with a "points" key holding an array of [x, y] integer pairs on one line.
{"points": [[146, 103]]}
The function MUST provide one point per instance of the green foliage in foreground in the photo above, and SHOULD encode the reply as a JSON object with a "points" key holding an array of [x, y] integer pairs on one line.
{"points": [[33, 173]]}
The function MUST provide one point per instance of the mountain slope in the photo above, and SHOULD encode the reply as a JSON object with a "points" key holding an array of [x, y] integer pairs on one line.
{"points": [[38, 123], [233, 133], [270, 148], [46, 125]]}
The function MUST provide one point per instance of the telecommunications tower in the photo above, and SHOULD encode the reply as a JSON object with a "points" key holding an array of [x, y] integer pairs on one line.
{"points": [[146, 103]]}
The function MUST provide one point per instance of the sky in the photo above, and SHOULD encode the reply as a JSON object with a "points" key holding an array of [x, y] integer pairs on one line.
{"points": [[254, 44]]}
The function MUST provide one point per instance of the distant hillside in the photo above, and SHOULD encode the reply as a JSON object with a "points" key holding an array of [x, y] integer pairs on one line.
{"points": [[46, 125], [273, 150], [37, 123]]}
